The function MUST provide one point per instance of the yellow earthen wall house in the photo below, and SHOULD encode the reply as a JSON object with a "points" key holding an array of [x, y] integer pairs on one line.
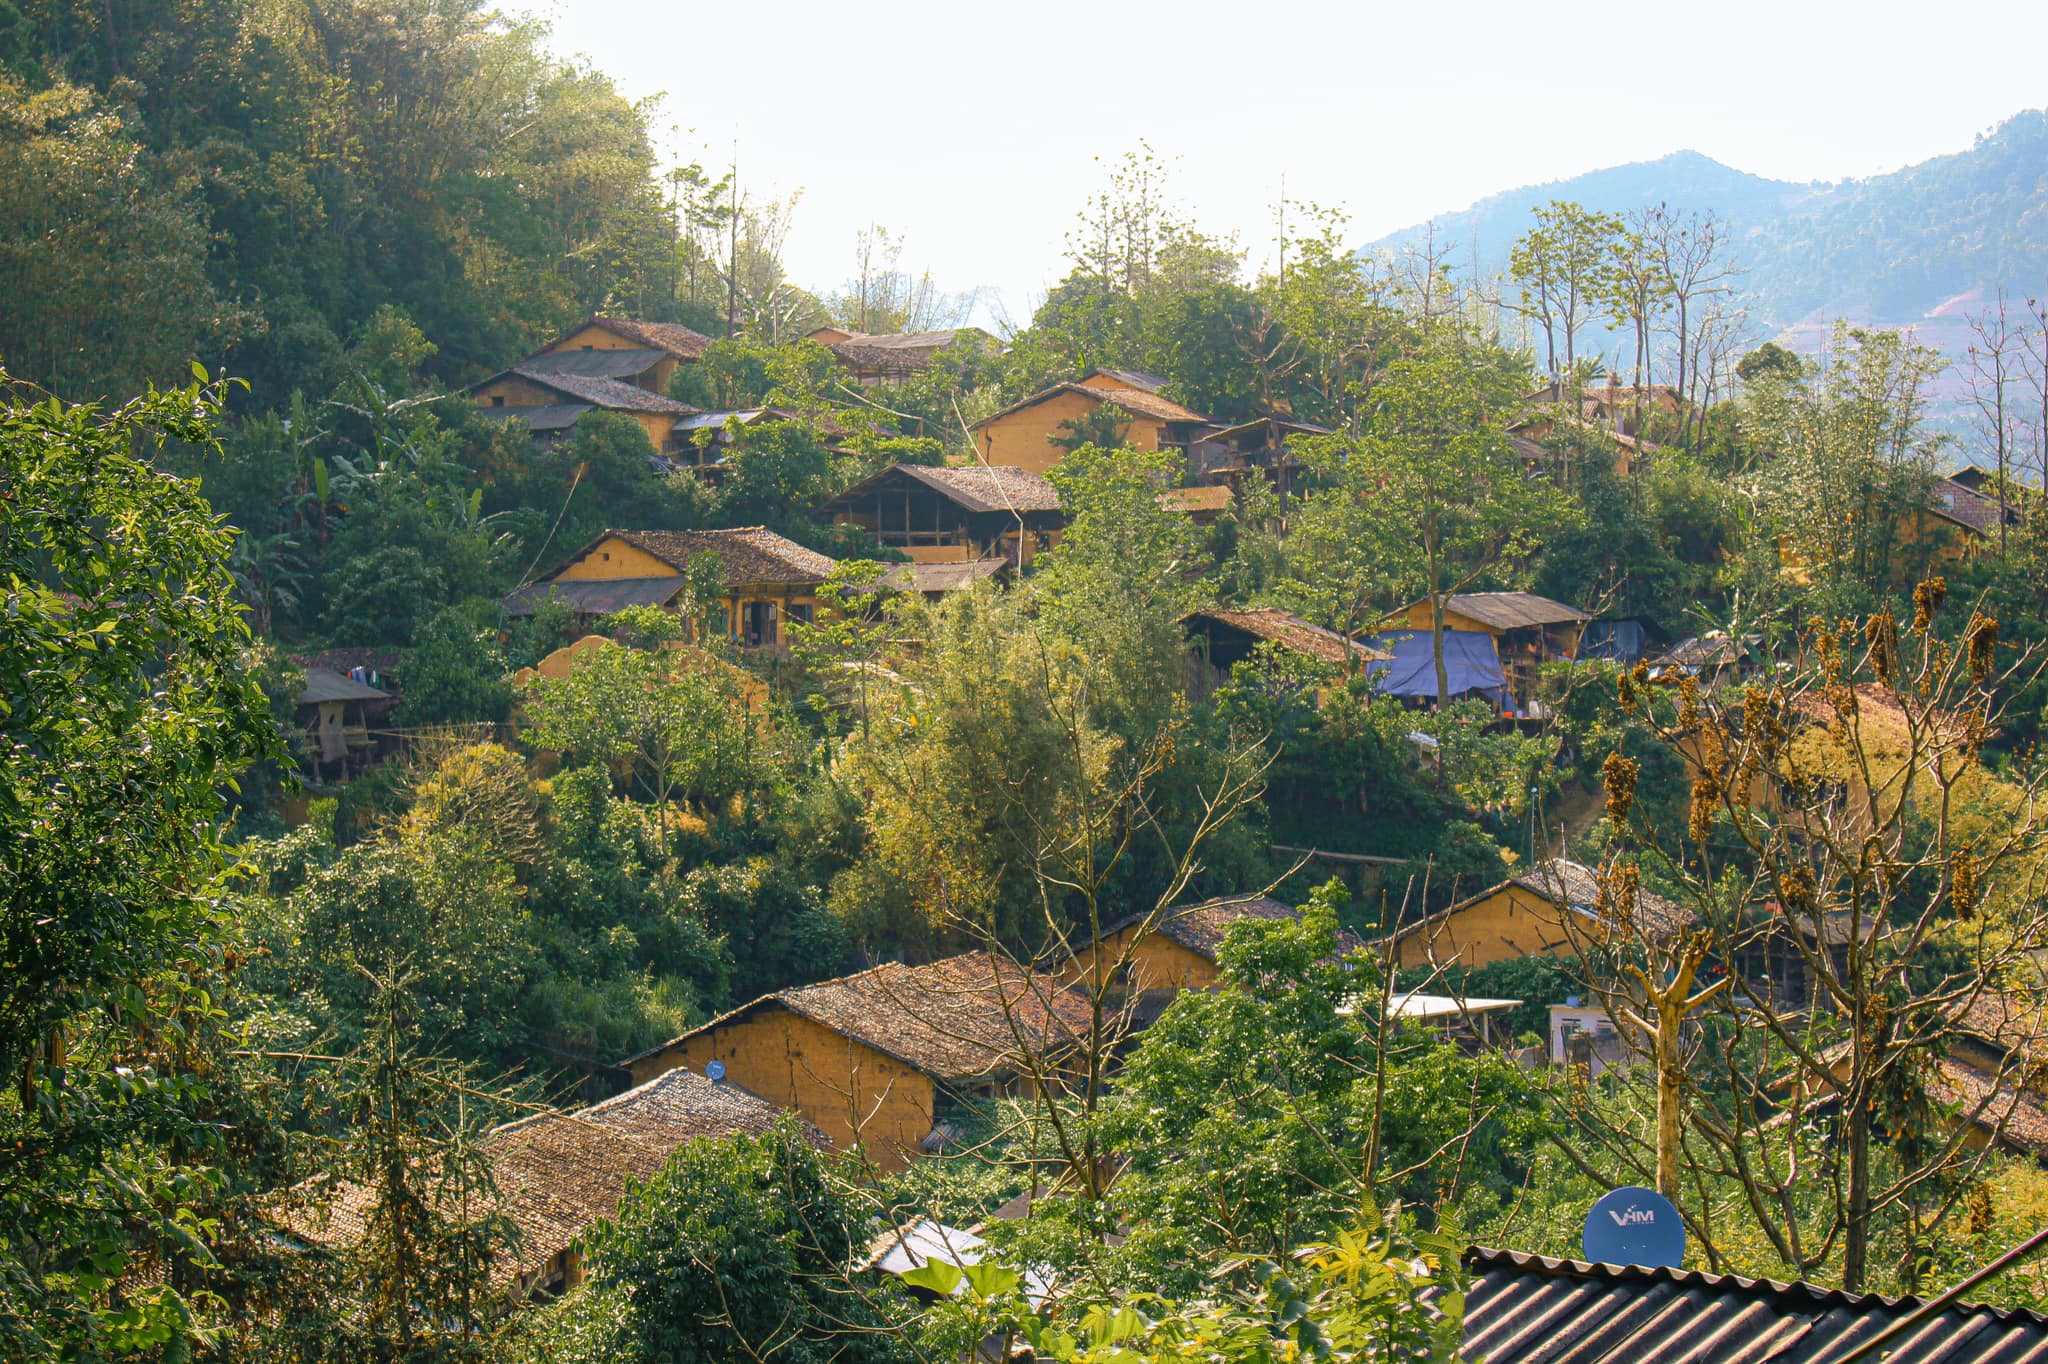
{"points": [[878, 1057], [767, 579], [1156, 963], [1501, 924], [512, 391], [1523, 917], [851, 1092], [595, 336], [1023, 437]]}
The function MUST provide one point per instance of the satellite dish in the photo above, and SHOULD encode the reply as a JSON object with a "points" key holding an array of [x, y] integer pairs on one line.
{"points": [[1635, 1226], [714, 1071]]}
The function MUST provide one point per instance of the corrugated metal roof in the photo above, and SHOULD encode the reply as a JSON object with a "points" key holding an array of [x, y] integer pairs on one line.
{"points": [[940, 577], [547, 417], [594, 364], [1512, 610], [594, 596], [322, 685], [1531, 1309]]}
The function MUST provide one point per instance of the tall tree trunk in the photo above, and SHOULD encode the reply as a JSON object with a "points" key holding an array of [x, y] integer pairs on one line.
{"points": [[1856, 1243], [1436, 648]]}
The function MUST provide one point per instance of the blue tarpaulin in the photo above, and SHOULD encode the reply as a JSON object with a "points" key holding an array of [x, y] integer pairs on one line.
{"points": [[1470, 661], [1619, 641]]}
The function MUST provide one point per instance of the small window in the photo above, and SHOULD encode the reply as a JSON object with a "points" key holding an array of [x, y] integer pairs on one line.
{"points": [[497, 400]]}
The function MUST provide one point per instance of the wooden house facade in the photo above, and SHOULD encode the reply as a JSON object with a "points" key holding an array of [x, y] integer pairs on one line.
{"points": [[766, 580], [1227, 455], [952, 515], [884, 1057], [1524, 916]]}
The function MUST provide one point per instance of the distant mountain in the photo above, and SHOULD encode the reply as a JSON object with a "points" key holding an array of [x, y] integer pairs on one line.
{"points": [[1919, 247]]}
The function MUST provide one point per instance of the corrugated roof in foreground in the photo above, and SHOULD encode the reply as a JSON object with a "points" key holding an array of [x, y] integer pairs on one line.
{"points": [[1531, 1309]]}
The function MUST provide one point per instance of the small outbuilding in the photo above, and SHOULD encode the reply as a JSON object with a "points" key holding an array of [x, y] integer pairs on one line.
{"points": [[336, 716], [1528, 631]]}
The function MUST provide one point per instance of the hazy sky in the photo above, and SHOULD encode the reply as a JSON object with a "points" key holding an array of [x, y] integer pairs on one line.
{"points": [[973, 130]]}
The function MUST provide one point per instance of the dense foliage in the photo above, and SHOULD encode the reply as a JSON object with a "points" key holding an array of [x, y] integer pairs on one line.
{"points": [[237, 990]]}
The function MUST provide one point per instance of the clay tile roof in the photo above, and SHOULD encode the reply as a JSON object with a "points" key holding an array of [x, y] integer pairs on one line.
{"points": [[1577, 886], [609, 394], [986, 488], [1532, 1309], [1513, 610], [1991, 1103], [1144, 404], [2009, 1022], [1201, 928], [544, 417], [1964, 505], [956, 1020], [1151, 383], [747, 554], [558, 1173], [1130, 399], [673, 337], [1203, 497], [1292, 632]]}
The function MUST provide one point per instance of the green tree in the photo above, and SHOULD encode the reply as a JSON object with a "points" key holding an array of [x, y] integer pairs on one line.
{"points": [[455, 671], [1853, 459], [103, 250], [1434, 485], [416, 1282], [735, 1253], [126, 709], [1562, 264], [665, 721]]}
